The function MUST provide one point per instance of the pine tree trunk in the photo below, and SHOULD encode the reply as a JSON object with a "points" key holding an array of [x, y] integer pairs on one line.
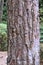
{"points": [[1, 9], [23, 32]]}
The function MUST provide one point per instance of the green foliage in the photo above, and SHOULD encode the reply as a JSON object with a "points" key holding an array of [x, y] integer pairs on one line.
{"points": [[41, 20], [4, 16], [41, 10], [41, 51], [41, 28], [41, 54], [3, 29], [3, 37]]}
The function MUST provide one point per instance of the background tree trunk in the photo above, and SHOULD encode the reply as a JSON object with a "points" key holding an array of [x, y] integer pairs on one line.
{"points": [[23, 32], [1, 9]]}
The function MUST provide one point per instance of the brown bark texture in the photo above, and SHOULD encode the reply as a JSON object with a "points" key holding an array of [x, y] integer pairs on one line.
{"points": [[23, 32]]}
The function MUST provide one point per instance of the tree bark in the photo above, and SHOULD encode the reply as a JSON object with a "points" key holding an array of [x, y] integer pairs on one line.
{"points": [[23, 32]]}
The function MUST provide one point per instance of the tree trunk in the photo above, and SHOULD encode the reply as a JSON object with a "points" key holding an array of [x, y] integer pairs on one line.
{"points": [[23, 32], [1, 9]]}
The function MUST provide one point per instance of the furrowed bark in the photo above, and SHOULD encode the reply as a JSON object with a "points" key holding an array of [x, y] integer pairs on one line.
{"points": [[23, 32]]}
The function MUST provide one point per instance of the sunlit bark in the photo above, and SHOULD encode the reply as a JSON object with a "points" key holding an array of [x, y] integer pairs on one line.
{"points": [[23, 32]]}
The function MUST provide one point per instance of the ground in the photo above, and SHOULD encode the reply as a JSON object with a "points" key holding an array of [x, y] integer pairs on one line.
{"points": [[3, 57]]}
